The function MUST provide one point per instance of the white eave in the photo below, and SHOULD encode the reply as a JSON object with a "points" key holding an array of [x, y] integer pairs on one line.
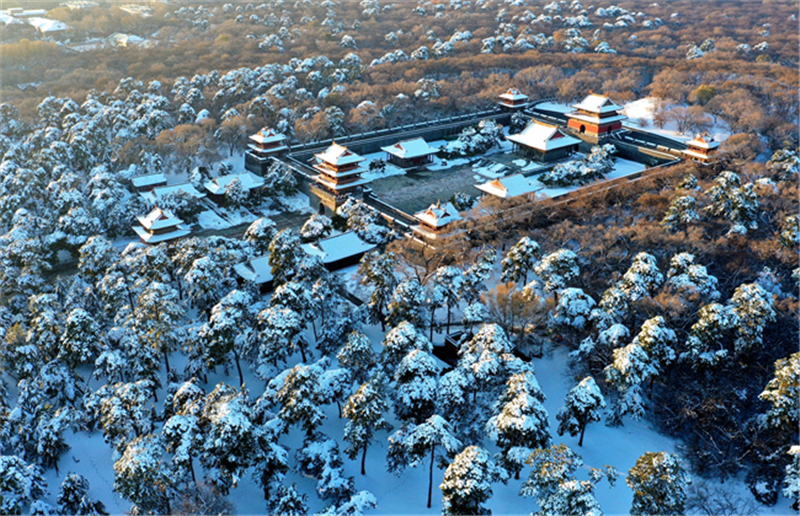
{"points": [[218, 185], [338, 186], [410, 149], [338, 156], [149, 180], [543, 137], [267, 135], [599, 104], [596, 119], [155, 238], [438, 216], [513, 95], [508, 187], [157, 193], [159, 219]]}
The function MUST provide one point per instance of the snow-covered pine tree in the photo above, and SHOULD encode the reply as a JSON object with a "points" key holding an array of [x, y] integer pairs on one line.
{"points": [[319, 457], [316, 227], [783, 393], [751, 305], [358, 356], [467, 482], [520, 423], [707, 337], [574, 308], [659, 483], [377, 271], [407, 304], [157, 317], [410, 446], [73, 497], [520, 260], [631, 367], [82, 339], [123, 411], [399, 342], [364, 411], [288, 501], [682, 211], [284, 255], [21, 484], [203, 282], [230, 446], [791, 483], [235, 194], [281, 334], [553, 485], [581, 406], [691, 280], [555, 271], [486, 357], [141, 477], [642, 277], [299, 398], [271, 463], [48, 436], [184, 439], [259, 234], [96, 256], [416, 387], [450, 281]]}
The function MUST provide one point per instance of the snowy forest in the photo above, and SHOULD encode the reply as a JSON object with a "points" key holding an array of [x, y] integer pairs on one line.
{"points": [[633, 351]]}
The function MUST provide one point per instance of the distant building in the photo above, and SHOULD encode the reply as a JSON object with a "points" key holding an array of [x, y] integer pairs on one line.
{"points": [[436, 218], [335, 253], [76, 5], [125, 40], [137, 10], [596, 115], [339, 177], [513, 99], [410, 153], [148, 182], [702, 148], [543, 142], [48, 26], [218, 186], [262, 146], [508, 187], [160, 226], [156, 194]]}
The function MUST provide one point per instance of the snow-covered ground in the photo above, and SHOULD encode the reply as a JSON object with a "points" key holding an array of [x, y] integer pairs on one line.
{"points": [[388, 171], [555, 106], [640, 115]]}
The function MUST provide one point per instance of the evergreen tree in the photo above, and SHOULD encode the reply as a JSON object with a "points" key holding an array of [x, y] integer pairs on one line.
{"points": [[358, 356], [520, 423], [230, 445], [399, 342], [377, 270], [642, 277], [96, 256], [574, 308], [235, 194], [364, 411], [259, 234], [21, 484], [407, 304], [751, 305], [281, 334], [681, 213], [416, 386], [689, 279], [316, 227], [553, 485], [581, 406], [141, 477], [184, 439], [157, 319], [299, 398], [707, 337], [73, 497], [81, 340], [203, 282], [48, 435], [409, 446], [783, 393], [288, 501], [285, 255], [519, 261], [486, 357], [450, 281], [467, 483], [657, 341], [555, 271], [659, 482], [791, 483], [631, 367]]}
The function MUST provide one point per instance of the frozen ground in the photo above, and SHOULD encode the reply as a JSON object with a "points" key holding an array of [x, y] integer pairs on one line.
{"points": [[640, 115]]}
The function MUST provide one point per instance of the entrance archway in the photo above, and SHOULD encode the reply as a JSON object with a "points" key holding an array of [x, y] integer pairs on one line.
{"points": [[583, 129], [321, 209]]}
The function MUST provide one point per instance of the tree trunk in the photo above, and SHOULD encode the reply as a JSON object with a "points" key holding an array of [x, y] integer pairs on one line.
{"points": [[433, 322], [448, 319], [363, 460], [430, 475], [238, 367], [583, 430], [302, 353], [191, 469], [55, 465], [166, 361], [339, 404]]}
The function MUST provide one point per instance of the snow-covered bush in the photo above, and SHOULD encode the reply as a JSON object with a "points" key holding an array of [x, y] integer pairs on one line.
{"points": [[581, 171], [474, 141]]}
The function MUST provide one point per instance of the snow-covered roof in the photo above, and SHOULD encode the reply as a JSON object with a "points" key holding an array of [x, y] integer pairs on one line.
{"points": [[507, 187], [338, 155], [148, 180], [595, 119], [159, 219], [703, 141], [339, 186], [513, 94], [157, 193], [119, 39], [45, 25], [339, 247], [437, 215], [258, 270], [543, 137], [267, 135], [249, 181], [155, 238], [7, 19], [409, 149], [599, 104]]}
